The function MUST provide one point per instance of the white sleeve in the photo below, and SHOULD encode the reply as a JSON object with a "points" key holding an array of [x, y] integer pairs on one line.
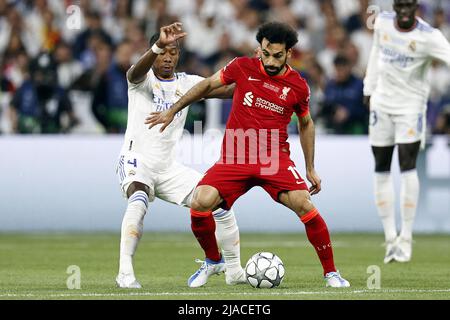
{"points": [[195, 79], [142, 84], [370, 81], [439, 47]]}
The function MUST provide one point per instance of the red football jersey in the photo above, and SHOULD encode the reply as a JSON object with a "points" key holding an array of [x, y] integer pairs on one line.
{"points": [[262, 109]]}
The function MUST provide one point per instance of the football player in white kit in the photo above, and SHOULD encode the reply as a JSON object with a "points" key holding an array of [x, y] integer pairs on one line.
{"points": [[396, 86], [147, 166]]}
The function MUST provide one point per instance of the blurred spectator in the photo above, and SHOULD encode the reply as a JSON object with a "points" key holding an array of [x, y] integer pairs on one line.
{"points": [[343, 107], [441, 22], [243, 31], [218, 31], [110, 103], [205, 35], [362, 38], [315, 76], [15, 32], [335, 40], [117, 22], [68, 68], [40, 105], [86, 41]]}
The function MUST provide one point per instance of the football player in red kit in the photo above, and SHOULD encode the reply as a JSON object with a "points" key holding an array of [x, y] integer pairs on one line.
{"points": [[255, 151]]}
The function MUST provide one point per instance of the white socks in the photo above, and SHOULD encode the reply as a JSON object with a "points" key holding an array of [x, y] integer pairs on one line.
{"points": [[227, 234], [385, 202], [409, 196], [132, 228]]}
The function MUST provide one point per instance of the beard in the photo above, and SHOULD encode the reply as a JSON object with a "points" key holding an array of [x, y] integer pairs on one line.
{"points": [[272, 70]]}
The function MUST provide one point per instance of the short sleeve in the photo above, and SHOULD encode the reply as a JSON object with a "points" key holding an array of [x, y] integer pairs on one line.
{"points": [[439, 47], [302, 106], [230, 72], [194, 80], [141, 84]]}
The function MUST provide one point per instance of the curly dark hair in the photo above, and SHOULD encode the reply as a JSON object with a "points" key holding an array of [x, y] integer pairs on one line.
{"points": [[277, 32]]}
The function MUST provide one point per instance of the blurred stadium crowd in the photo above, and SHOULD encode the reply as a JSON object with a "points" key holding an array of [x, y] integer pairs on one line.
{"points": [[63, 76]]}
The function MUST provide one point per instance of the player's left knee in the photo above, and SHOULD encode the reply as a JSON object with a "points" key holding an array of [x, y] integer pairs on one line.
{"points": [[301, 201], [407, 165], [408, 154], [407, 162]]}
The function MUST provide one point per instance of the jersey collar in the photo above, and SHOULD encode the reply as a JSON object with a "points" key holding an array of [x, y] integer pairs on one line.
{"points": [[165, 80], [414, 26]]}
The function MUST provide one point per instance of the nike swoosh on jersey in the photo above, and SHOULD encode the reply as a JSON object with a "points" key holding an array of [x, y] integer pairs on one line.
{"points": [[253, 79]]}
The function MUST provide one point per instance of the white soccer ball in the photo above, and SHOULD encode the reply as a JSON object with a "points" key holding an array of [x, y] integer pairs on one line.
{"points": [[264, 270]]}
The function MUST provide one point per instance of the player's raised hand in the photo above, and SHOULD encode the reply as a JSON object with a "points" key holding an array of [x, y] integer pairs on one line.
{"points": [[315, 181], [164, 118], [170, 33]]}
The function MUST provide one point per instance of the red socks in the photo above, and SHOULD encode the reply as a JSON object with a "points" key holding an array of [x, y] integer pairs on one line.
{"points": [[204, 227], [318, 235]]}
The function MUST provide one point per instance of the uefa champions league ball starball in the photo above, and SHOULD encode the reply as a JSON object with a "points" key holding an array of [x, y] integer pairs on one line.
{"points": [[264, 270]]}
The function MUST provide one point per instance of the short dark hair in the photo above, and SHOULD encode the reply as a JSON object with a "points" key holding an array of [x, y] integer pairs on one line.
{"points": [[155, 38], [277, 32]]}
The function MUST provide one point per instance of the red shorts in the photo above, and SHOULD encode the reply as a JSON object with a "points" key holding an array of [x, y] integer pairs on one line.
{"points": [[234, 180]]}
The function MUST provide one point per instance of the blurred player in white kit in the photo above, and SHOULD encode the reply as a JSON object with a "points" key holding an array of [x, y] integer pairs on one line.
{"points": [[396, 86], [147, 166]]}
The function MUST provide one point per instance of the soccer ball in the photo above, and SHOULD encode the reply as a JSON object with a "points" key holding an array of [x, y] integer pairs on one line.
{"points": [[264, 270]]}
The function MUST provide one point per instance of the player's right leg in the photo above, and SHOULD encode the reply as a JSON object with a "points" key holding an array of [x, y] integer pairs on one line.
{"points": [[382, 139], [385, 198], [131, 233], [227, 234], [138, 188], [409, 197]]}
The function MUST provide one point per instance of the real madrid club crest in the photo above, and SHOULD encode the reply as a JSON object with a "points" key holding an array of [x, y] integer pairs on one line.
{"points": [[413, 46], [285, 93]]}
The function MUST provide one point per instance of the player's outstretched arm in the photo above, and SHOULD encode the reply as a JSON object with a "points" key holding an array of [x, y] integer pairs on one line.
{"points": [[225, 92], [307, 141], [198, 92], [168, 35]]}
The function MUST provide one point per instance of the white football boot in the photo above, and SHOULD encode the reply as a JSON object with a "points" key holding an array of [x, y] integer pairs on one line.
{"points": [[334, 280], [207, 269], [391, 249], [127, 281], [404, 250], [235, 278]]}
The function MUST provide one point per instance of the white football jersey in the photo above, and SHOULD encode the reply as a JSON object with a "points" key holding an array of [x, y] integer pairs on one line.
{"points": [[154, 95], [396, 77]]}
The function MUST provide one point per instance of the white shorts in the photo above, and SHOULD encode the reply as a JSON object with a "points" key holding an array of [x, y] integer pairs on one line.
{"points": [[389, 129], [175, 184]]}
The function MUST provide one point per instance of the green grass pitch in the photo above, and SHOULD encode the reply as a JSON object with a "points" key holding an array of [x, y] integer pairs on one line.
{"points": [[34, 266]]}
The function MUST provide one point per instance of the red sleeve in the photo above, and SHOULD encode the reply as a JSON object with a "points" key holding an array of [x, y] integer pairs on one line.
{"points": [[302, 107], [230, 72]]}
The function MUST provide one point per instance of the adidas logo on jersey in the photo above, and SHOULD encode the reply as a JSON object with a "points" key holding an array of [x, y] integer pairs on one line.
{"points": [[248, 99]]}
